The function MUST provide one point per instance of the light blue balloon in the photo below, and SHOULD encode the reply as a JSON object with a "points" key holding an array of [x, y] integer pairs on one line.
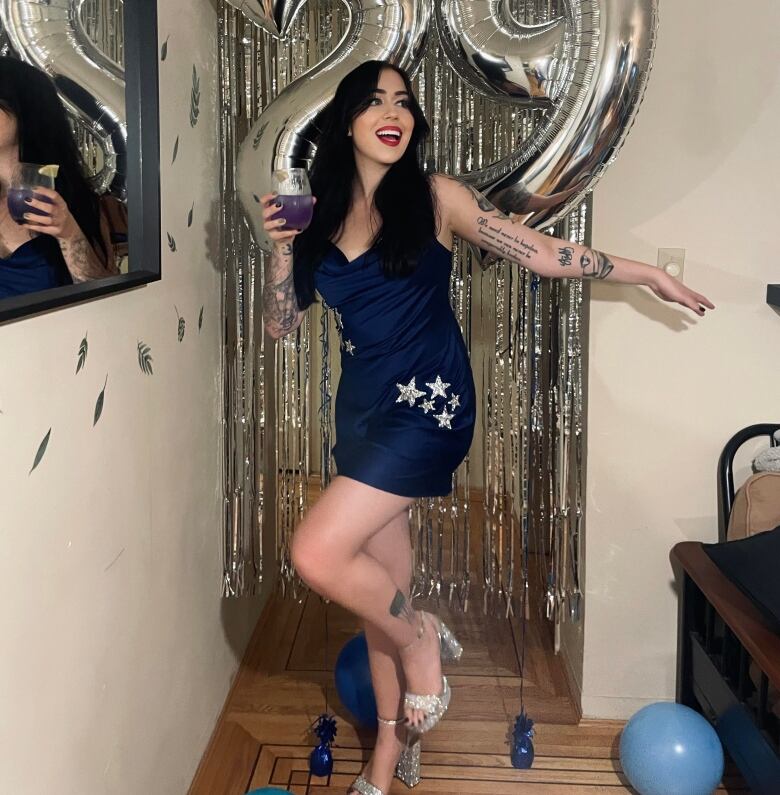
{"points": [[670, 749]]}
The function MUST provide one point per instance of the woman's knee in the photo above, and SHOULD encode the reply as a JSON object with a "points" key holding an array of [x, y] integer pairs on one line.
{"points": [[309, 556]]}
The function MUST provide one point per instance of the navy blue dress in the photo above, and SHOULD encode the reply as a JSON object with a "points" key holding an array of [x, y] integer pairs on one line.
{"points": [[36, 265], [405, 406]]}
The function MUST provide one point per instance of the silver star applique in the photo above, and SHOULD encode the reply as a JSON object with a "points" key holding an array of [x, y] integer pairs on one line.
{"points": [[454, 401], [438, 387], [350, 348], [427, 405], [410, 393], [444, 419], [339, 323]]}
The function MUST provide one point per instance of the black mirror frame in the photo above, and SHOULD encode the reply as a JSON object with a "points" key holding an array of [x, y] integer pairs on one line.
{"points": [[143, 175]]}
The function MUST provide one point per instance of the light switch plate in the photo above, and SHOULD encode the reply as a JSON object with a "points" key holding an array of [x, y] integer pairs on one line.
{"points": [[672, 260]]}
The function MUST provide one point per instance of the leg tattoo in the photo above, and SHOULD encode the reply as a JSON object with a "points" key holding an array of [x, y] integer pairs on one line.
{"points": [[401, 608]]}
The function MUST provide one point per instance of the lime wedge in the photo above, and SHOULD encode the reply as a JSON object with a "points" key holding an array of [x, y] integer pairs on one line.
{"points": [[49, 171]]}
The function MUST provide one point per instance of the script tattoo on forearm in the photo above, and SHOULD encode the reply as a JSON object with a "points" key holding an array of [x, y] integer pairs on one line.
{"points": [[512, 245], [279, 302], [595, 265], [400, 607]]}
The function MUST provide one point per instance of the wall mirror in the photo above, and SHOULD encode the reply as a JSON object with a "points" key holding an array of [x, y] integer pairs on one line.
{"points": [[79, 141]]}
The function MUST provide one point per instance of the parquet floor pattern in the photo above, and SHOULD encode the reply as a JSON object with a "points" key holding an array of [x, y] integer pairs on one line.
{"points": [[261, 738]]}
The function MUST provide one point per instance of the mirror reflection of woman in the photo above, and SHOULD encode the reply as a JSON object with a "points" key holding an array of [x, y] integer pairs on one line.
{"points": [[378, 250], [70, 242]]}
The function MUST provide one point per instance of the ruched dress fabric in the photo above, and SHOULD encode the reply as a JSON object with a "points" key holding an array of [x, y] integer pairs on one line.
{"points": [[37, 264], [405, 406]]}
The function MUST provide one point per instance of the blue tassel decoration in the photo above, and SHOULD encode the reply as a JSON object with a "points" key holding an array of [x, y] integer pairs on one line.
{"points": [[522, 746], [321, 758]]}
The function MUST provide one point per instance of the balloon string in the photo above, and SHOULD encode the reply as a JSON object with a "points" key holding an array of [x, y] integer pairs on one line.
{"points": [[325, 657]]}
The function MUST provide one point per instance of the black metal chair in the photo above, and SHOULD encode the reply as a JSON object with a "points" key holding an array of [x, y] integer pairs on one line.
{"points": [[726, 469]]}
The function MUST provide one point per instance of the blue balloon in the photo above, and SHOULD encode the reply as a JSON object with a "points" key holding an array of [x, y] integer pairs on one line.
{"points": [[353, 680], [669, 749], [269, 791]]}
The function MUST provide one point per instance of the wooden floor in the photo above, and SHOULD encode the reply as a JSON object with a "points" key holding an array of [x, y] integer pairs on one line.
{"points": [[287, 674]]}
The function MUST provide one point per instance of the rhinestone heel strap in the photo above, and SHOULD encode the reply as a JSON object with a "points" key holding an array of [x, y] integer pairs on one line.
{"points": [[407, 769], [434, 705]]}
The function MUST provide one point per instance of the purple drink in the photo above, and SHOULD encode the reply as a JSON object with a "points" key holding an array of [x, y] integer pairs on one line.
{"points": [[17, 205], [296, 211]]}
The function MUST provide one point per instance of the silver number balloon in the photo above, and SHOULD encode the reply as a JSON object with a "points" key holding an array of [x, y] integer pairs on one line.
{"points": [[50, 35], [273, 16], [591, 67], [587, 68]]}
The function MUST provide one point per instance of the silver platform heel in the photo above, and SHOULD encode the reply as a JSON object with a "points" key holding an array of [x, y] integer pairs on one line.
{"points": [[407, 769], [435, 705], [451, 650]]}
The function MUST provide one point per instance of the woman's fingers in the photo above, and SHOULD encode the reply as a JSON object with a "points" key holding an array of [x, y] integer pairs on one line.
{"points": [[41, 220], [46, 207]]}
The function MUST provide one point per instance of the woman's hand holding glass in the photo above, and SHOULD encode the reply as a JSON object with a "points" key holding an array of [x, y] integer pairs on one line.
{"points": [[53, 216], [272, 225]]}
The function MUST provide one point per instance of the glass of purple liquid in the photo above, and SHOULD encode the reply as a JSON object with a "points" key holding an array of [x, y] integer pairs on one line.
{"points": [[25, 180], [294, 194]]}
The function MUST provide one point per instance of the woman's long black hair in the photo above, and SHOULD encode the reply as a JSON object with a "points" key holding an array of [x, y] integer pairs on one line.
{"points": [[45, 137], [403, 198]]}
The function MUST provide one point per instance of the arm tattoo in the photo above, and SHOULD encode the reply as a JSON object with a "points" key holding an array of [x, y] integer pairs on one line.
{"points": [[485, 204], [82, 260], [280, 305], [595, 265], [512, 245], [400, 607], [564, 255]]}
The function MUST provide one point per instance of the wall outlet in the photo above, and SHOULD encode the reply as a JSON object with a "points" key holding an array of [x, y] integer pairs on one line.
{"points": [[672, 260]]}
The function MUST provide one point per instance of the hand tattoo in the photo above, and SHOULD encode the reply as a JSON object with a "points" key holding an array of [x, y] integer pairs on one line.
{"points": [[280, 305], [400, 607]]}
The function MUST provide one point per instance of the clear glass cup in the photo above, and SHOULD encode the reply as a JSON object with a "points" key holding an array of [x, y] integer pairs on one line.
{"points": [[294, 194], [25, 179]]}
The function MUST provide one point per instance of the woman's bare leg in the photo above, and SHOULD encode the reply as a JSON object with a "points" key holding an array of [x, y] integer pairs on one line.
{"points": [[391, 547], [328, 553]]}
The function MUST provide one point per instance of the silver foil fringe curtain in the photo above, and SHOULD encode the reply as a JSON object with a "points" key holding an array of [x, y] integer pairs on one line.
{"points": [[524, 335]]}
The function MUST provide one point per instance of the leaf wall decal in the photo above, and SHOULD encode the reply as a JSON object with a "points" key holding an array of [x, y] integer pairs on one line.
{"points": [[189, 215], [175, 150], [194, 97], [99, 403], [164, 49], [145, 358], [181, 324], [41, 450], [200, 319], [171, 242], [82, 357]]}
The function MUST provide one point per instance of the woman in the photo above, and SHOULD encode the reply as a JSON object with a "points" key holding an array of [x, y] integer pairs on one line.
{"points": [[378, 251], [63, 238]]}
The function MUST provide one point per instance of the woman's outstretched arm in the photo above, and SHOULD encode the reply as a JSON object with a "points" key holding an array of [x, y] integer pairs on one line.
{"points": [[473, 217]]}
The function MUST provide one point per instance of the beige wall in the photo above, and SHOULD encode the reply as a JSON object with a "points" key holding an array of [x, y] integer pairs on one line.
{"points": [[699, 171], [117, 648]]}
